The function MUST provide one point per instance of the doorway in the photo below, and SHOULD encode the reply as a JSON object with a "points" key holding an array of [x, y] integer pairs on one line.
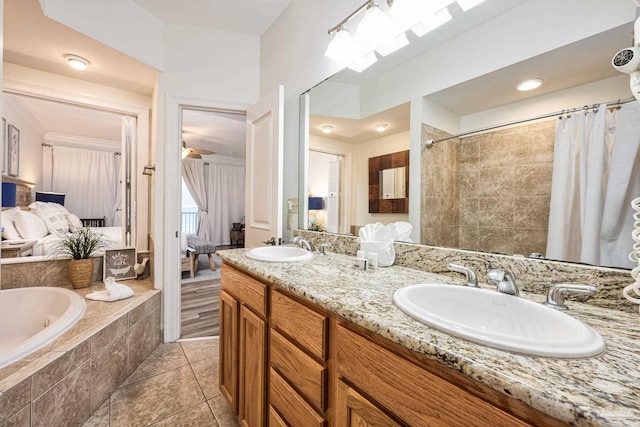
{"points": [[212, 207]]}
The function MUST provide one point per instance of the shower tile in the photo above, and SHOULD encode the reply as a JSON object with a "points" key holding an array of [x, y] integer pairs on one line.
{"points": [[498, 150], [495, 182], [469, 211], [532, 212], [165, 357], [200, 349], [495, 212], [108, 370], [156, 398], [493, 239], [468, 183], [59, 368], [199, 415], [533, 179], [468, 237], [66, 403], [206, 372], [526, 242]]}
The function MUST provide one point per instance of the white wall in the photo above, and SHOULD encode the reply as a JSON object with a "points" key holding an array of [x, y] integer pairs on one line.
{"points": [[360, 177], [319, 173], [31, 138]]}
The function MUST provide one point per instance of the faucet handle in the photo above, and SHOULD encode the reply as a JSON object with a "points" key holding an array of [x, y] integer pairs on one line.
{"points": [[322, 248], [555, 296], [495, 275], [271, 241], [472, 279]]}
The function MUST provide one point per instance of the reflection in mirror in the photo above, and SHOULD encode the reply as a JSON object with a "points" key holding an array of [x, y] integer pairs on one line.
{"points": [[494, 189], [392, 185], [79, 152]]}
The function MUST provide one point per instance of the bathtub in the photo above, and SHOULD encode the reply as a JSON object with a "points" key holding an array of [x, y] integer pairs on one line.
{"points": [[33, 317]]}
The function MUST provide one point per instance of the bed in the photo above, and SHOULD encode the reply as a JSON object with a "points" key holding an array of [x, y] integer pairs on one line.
{"points": [[43, 222]]}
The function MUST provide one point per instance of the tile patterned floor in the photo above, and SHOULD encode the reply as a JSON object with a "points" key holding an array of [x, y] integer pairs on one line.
{"points": [[177, 385]]}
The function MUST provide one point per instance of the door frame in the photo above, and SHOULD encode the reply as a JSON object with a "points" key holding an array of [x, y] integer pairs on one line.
{"points": [[167, 242]]}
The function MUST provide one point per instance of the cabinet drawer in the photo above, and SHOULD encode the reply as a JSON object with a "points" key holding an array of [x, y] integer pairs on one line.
{"points": [[303, 324], [415, 395], [245, 288], [300, 369], [293, 409]]}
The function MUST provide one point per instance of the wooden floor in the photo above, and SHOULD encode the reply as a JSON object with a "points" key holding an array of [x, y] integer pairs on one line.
{"points": [[200, 309]]}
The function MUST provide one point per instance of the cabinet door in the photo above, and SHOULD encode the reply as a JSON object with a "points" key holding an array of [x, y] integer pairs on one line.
{"points": [[252, 354], [229, 349], [354, 410]]}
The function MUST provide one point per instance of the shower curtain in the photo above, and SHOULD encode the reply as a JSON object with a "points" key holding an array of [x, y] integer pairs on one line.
{"points": [[595, 175]]}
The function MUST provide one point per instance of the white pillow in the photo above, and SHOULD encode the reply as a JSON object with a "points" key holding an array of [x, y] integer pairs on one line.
{"points": [[29, 225], [9, 231], [74, 221], [53, 215]]}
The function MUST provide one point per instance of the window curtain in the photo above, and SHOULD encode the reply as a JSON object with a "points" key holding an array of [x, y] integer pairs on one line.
{"points": [[225, 191], [87, 178], [193, 173]]}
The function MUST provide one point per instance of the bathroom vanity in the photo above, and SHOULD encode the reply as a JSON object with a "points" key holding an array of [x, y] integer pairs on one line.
{"points": [[321, 343]]}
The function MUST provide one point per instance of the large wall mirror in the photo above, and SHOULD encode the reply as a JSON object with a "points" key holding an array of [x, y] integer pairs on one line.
{"points": [[489, 190]]}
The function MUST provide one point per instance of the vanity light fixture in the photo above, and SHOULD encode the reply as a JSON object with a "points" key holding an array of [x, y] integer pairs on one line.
{"points": [[530, 84], [384, 32], [327, 128], [77, 62], [381, 127]]}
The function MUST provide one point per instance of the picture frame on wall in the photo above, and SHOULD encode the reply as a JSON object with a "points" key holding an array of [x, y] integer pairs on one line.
{"points": [[118, 263], [4, 146], [13, 151]]}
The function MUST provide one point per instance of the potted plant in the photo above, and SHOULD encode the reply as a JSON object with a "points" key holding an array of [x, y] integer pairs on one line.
{"points": [[80, 245]]}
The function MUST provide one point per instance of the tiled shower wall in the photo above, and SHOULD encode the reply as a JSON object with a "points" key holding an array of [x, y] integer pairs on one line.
{"points": [[502, 183]]}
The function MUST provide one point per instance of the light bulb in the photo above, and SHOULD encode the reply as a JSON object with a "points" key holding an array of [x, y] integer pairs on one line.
{"points": [[77, 62], [381, 127], [376, 28], [327, 128], [343, 49], [530, 84]]}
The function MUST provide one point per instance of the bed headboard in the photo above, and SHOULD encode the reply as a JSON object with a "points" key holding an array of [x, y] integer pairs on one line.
{"points": [[23, 190]]}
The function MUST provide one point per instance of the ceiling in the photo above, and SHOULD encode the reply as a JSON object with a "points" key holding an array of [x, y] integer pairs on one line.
{"points": [[238, 16], [356, 131], [221, 132]]}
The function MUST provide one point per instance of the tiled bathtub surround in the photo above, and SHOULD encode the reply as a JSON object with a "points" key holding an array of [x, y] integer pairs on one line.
{"points": [[63, 383], [19, 272], [489, 191], [532, 275], [599, 391]]}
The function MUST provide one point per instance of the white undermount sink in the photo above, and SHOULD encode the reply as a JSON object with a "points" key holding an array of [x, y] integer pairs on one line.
{"points": [[499, 320], [279, 254]]}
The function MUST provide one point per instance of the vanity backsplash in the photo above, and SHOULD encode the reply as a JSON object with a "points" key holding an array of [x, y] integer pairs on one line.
{"points": [[532, 275]]}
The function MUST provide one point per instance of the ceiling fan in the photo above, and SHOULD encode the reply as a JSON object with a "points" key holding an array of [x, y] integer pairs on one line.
{"points": [[194, 153]]}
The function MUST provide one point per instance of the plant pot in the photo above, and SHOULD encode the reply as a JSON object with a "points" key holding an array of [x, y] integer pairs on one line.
{"points": [[80, 273]]}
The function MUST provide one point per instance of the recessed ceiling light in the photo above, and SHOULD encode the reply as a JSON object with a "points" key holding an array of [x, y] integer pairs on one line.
{"points": [[77, 62], [381, 127], [530, 84], [327, 128]]}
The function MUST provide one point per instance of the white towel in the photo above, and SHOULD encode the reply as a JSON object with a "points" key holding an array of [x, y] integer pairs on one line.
{"points": [[113, 291]]}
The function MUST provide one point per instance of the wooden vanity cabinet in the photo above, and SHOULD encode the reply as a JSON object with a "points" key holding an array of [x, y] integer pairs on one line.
{"points": [[286, 362], [243, 346]]}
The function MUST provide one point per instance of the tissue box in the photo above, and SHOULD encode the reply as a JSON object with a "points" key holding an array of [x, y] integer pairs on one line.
{"points": [[385, 250]]}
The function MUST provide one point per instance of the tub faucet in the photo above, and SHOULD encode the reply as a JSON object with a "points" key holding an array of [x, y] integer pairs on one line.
{"points": [[303, 243], [504, 281], [472, 279]]}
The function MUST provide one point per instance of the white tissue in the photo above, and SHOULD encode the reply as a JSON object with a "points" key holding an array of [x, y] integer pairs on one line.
{"points": [[113, 291], [401, 231]]}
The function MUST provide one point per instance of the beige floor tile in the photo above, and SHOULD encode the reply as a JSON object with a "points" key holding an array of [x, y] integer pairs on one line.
{"points": [[164, 358], [155, 398], [206, 371], [199, 415], [222, 412], [200, 349]]}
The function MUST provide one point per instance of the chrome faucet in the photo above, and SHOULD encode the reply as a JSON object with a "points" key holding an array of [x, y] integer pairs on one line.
{"points": [[555, 296], [504, 281], [303, 243], [472, 279], [322, 247], [271, 241]]}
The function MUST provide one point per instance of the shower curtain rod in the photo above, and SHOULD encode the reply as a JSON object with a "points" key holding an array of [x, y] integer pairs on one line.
{"points": [[429, 142]]}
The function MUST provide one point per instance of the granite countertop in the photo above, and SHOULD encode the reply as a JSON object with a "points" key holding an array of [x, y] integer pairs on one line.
{"points": [[598, 391]]}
